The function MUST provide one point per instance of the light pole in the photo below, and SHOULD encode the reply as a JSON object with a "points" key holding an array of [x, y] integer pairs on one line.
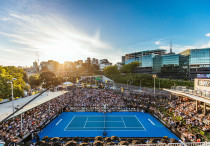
{"points": [[66, 82], [154, 76], [140, 84], [159, 83], [127, 84], [11, 82]]}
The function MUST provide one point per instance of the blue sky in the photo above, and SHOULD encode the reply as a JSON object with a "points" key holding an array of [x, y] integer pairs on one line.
{"points": [[76, 29]]}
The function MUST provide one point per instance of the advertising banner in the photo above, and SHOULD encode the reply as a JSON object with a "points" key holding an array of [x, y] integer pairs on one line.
{"points": [[203, 76]]}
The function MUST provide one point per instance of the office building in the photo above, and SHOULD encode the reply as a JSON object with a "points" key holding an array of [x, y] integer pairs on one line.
{"points": [[103, 63], [185, 65], [137, 56]]}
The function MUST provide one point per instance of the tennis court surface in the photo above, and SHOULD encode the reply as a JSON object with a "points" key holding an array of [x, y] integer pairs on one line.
{"points": [[92, 124], [107, 123]]}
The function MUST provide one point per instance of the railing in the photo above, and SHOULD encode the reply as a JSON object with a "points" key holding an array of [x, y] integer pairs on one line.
{"points": [[205, 94], [101, 109], [198, 143], [175, 144]]}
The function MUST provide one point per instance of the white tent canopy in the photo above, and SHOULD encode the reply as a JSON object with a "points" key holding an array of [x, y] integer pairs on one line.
{"points": [[68, 83], [103, 78]]}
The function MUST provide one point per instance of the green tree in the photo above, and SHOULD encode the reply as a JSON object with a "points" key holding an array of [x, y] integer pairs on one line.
{"points": [[34, 81], [49, 79], [6, 74], [111, 70], [128, 68]]}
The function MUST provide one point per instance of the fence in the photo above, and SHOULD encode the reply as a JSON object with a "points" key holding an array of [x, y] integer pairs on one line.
{"points": [[204, 93], [161, 144], [175, 144]]}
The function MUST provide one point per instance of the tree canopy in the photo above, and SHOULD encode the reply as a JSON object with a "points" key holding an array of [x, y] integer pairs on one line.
{"points": [[128, 68], [49, 79], [19, 85], [111, 70]]}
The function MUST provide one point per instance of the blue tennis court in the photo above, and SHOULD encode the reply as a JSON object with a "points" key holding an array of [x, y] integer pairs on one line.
{"points": [[107, 123], [92, 124]]}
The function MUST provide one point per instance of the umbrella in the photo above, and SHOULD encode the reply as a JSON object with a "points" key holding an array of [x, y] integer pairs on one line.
{"points": [[114, 138], [124, 143], [151, 141], [57, 143], [56, 139], [136, 142], [110, 143], [86, 139], [99, 138], [98, 143], [65, 139], [142, 141], [71, 143], [46, 138], [164, 140], [108, 139], [84, 144], [172, 140], [76, 138], [40, 143]]}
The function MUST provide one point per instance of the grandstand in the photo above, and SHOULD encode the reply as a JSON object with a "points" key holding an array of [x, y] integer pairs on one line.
{"points": [[81, 116]]}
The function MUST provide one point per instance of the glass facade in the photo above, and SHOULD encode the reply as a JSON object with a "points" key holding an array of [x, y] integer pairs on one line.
{"points": [[185, 65], [170, 59], [157, 64], [200, 57], [147, 61], [132, 60]]}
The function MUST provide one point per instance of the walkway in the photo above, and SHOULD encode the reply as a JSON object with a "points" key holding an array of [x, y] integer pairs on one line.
{"points": [[205, 100]]}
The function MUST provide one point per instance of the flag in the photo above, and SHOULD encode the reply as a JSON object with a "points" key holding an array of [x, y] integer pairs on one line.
{"points": [[77, 80], [106, 81], [122, 89]]}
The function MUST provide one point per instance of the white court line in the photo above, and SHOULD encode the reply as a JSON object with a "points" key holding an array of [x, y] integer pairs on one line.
{"points": [[86, 122], [106, 130], [103, 116], [59, 122], [102, 127], [151, 122], [103, 121], [123, 122], [141, 124], [69, 123], [86, 128]]}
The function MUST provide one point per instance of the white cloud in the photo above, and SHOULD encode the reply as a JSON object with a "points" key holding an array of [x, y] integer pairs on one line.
{"points": [[10, 50], [157, 42], [208, 34], [4, 19], [57, 39]]}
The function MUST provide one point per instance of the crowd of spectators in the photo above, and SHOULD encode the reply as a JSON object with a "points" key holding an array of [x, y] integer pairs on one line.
{"points": [[178, 114], [95, 99], [13, 131]]}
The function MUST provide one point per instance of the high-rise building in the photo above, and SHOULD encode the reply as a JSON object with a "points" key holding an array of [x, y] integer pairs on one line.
{"points": [[35, 66], [137, 56], [199, 62], [50, 65], [103, 63], [94, 61], [185, 65]]}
